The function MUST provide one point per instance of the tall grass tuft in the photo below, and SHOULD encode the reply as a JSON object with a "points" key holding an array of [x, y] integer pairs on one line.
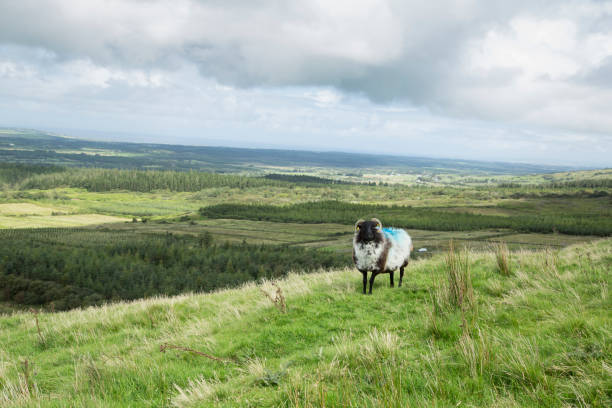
{"points": [[460, 291], [197, 391], [502, 256], [453, 293], [475, 351]]}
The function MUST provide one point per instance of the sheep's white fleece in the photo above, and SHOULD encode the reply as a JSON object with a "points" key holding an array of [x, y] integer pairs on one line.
{"points": [[401, 245]]}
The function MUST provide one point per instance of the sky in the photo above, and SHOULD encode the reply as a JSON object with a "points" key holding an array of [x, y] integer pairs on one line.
{"points": [[518, 81]]}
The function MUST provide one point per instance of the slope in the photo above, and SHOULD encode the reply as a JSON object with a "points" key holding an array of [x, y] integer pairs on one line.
{"points": [[460, 331]]}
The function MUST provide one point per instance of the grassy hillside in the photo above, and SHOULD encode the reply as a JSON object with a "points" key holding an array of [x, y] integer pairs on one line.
{"points": [[462, 331]]}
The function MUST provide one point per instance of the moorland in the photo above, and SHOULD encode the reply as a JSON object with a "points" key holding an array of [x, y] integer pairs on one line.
{"points": [[76, 235], [110, 251]]}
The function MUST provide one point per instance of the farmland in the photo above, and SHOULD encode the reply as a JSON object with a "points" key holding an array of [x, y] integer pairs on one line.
{"points": [[125, 218], [119, 263], [278, 199]]}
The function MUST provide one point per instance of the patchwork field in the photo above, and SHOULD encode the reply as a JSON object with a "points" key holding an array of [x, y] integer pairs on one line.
{"points": [[123, 286], [44, 221], [187, 210], [21, 209], [337, 236]]}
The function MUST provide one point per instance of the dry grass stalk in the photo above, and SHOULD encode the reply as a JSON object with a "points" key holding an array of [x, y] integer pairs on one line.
{"points": [[26, 377], [550, 260], [278, 299], [502, 256], [460, 290], [166, 346], [476, 352], [198, 391], [40, 336]]}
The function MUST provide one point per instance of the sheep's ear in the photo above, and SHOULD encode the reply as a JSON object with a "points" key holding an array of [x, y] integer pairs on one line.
{"points": [[377, 221], [358, 224]]}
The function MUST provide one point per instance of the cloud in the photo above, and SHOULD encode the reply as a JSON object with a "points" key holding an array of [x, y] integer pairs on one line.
{"points": [[540, 64]]}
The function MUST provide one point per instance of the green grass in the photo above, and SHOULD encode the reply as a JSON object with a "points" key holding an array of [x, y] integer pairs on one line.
{"points": [[336, 236], [56, 221], [77, 207], [539, 337], [475, 200], [22, 209], [118, 203]]}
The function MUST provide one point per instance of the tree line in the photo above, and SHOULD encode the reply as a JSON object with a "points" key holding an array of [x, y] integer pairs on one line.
{"points": [[11, 173], [585, 183], [44, 177], [305, 179], [409, 217], [68, 268], [100, 180]]}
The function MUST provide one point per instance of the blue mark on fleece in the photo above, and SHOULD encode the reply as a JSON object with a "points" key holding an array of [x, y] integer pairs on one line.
{"points": [[394, 234]]}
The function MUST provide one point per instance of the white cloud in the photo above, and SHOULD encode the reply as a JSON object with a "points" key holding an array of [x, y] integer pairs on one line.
{"points": [[535, 48], [530, 68]]}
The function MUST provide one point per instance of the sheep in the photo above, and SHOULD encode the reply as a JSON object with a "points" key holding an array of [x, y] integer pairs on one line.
{"points": [[380, 250]]}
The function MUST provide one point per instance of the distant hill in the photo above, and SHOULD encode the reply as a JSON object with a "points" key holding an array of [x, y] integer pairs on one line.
{"points": [[32, 146]]}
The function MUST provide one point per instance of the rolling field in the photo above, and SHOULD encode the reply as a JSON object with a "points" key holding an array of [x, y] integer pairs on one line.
{"points": [[122, 286], [337, 236], [23, 209], [190, 209], [537, 336], [44, 221]]}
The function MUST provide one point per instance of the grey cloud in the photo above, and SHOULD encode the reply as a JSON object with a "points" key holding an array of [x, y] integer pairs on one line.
{"points": [[255, 43], [387, 51], [601, 76]]}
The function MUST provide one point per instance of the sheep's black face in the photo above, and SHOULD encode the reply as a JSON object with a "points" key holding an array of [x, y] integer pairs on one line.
{"points": [[368, 231]]}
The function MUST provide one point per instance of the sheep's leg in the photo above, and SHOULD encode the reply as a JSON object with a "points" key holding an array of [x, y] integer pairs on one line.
{"points": [[401, 276], [374, 273], [391, 278], [365, 281]]}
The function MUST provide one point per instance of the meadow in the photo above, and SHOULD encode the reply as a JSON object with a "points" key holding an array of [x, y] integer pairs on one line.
{"points": [[122, 220], [130, 277], [467, 329]]}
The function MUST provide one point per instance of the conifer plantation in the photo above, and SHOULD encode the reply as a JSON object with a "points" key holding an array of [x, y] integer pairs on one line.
{"points": [[68, 268]]}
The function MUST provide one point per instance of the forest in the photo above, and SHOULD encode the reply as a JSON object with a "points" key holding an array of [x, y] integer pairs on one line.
{"points": [[141, 180], [67, 268], [45, 177], [12, 173], [412, 217]]}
